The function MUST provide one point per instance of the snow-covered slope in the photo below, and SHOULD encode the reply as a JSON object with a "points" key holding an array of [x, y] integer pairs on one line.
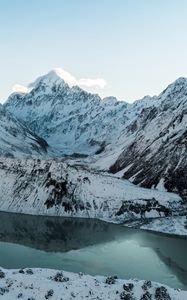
{"points": [[155, 144], [31, 284], [16, 140], [146, 141], [50, 187]]}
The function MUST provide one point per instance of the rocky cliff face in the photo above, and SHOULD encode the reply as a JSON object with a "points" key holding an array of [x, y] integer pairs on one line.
{"points": [[156, 156]]}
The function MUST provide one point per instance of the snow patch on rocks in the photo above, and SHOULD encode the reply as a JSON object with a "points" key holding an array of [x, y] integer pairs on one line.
{"points": [[39, 284]]}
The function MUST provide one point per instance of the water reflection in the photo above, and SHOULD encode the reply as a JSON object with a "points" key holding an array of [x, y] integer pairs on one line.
{"points": [[93, 247], [55, 233]]}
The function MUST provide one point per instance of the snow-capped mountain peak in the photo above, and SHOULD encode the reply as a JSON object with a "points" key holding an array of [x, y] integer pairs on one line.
{"points": [[69, 117], [48, 82]]}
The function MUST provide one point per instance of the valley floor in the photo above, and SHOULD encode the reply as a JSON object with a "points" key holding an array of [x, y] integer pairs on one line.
{"points": [[59, 189], [39, 284]]}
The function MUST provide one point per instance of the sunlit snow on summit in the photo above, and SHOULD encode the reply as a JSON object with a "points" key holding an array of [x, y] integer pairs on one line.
{"points": [[18, 88]]}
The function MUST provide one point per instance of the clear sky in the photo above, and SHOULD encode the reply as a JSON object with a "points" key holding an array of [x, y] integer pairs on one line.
{"points": [[137, 46]]}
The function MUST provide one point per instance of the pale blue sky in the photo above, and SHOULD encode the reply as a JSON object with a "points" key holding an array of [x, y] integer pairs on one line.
{"points": [[137, 46]]}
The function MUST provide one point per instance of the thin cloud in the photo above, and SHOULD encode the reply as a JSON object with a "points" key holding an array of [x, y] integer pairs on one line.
{"points": [[83, 82], [97, 83]]}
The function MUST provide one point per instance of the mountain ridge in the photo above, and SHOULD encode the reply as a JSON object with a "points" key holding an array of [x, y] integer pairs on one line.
{"points": [[16, 140]]}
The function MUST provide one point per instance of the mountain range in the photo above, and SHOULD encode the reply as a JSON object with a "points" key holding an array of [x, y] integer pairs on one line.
{"points": [[145, 141]]}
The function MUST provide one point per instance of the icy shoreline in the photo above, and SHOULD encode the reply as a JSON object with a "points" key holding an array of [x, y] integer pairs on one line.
{"points": [[39, 284], [172, 225]]}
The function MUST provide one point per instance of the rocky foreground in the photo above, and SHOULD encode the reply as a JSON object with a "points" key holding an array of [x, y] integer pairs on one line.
{"points": [[39, 284]]}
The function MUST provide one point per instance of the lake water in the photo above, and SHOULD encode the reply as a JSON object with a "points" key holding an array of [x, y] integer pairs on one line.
{"points": [[92, 247]]}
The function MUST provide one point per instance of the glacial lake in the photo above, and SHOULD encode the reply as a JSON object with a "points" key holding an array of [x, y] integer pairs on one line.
{"points": [[92, 247]]}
